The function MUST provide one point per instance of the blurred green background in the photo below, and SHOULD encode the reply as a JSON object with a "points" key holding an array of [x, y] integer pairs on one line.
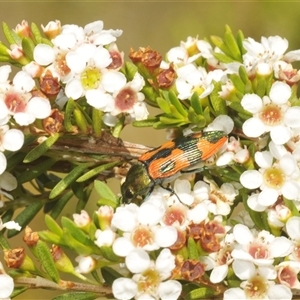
{"points": [[160, 25]]}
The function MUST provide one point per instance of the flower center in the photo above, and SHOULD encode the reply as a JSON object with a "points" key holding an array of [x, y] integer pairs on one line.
{"points": [[125, 99], [256, 288], [174, 214], [287, 276], [142, 236], [148, 281], [271, 114], [274, 177], [15, 103], [258, 252], [90, 78]]}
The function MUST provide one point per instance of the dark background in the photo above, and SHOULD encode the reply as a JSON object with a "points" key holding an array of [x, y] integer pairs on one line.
{"points": [[160, 25]]}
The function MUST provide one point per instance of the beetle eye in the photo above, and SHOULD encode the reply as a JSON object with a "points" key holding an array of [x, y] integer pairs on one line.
{"points": [[128, 196]]}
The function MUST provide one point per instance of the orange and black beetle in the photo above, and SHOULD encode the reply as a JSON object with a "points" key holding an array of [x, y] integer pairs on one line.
{"points": [[169, 160]]}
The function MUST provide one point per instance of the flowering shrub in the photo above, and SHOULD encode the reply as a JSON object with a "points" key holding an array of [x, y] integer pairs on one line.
{"points": [[228, 227]]}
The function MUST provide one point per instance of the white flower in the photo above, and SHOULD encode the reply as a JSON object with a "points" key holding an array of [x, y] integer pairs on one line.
{"points": [[124, 98], [86, 264], [219, 261], [273, 179], [104, 237], [287, 272], [259, 284], [148, 282], [191, 79], [217, 199], [260, 248], [16, 100], [141, 227], [271, 114], [269, 51], [83, 219], [234, 152]]}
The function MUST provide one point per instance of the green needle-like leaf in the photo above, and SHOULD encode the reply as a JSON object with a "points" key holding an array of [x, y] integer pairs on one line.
{"points": [[67, 180], [68, 115], [108, 254], [164, 105], [130, 70], [28, 47], [41, 149], [97, 121], [77, 246], [96, 171], [232, 44], [192, 249], [52, 238], [8, 33], [44, 255], [223, 58], [4, 50], [36, 171], [60, 204], [196, 104], [104, 191], [77, 296], [177, 104], [110, 275], [145, 123], [53, 225], [36, 33], [200, 293], [25, 216], [78, 235], [80, 120]]}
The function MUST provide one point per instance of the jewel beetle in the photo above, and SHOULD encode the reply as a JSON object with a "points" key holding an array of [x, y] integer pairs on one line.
{"points": [[169, 160]]}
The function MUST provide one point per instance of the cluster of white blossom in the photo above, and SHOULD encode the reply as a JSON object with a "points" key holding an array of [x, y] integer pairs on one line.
{"points": [[87, 62], [153, 238]]}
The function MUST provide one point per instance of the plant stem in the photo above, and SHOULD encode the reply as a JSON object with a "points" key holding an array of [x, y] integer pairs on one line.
{"points": [[39, 282]]}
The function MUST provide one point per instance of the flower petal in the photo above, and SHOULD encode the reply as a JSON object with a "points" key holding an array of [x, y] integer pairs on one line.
{"points": [[280, 247], [7, 286], [280, 134], [122, 246], [39, 107], [253, 127], [291, 117], [165, 236], [252, 103], [13, 140], [242, 234], [267, 197], [251, 179], [113, 81], [280, 92], [243, 269], [219, 273], [292, 228], [124, 288], [169, 290], [43, 54], [137, 261]]}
